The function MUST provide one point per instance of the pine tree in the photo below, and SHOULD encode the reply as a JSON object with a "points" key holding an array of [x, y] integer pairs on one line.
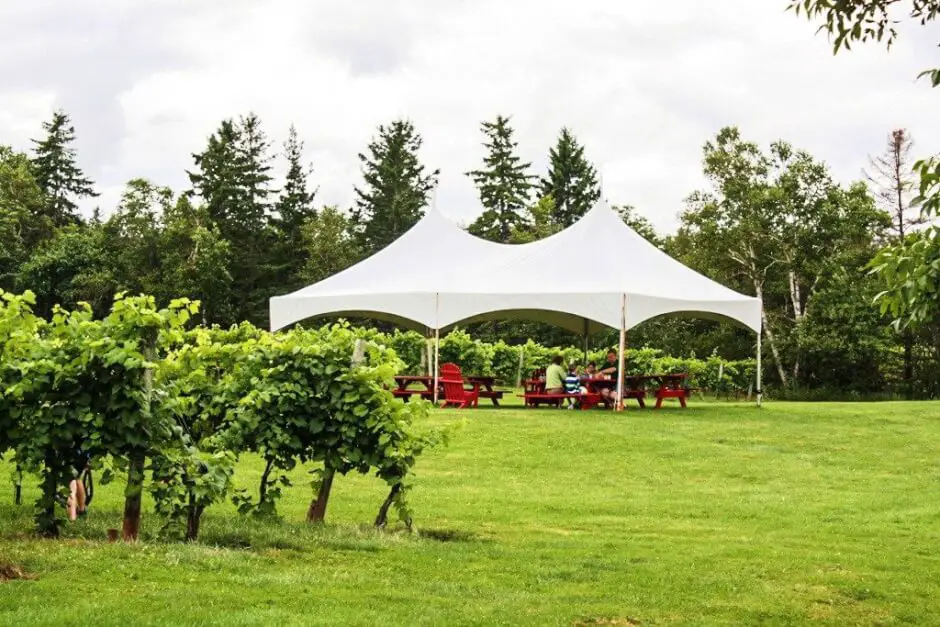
{"points": [[295, 204], [216, 179], [504, 184], [254, 163], [396, 188], [57, 173], [233, 179], [293, 209], [571, 181]]}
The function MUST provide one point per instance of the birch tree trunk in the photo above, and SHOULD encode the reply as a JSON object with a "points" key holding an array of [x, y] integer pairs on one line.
{"points": [[771, 340]]}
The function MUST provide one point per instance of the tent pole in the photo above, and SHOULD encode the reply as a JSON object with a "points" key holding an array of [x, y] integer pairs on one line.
{"points": [[620, 354], [437, 369], [759, 374], [584, 341], [437, 346]]}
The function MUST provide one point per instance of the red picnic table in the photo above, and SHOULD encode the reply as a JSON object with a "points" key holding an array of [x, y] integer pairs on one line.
{"points": [[633, 387], [483, 384], [535, 395], [668, 386], [671, 386]]}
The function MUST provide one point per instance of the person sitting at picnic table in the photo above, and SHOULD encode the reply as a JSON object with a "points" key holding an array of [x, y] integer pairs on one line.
{"points": [[555, 376], [611, 370], [590, 371], [573, 385]]}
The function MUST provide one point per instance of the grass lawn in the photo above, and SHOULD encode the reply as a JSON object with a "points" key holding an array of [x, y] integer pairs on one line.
{"points": [[722, 514]]}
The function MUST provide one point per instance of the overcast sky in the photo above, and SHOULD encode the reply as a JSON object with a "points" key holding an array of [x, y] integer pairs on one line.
{"points": [[643, 84]]}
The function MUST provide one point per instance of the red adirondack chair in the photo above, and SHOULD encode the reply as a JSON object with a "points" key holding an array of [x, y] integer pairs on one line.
{"points": [[454, 391]]}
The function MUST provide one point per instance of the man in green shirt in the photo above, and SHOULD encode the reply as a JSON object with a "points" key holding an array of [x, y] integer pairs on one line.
{"points": [[555, 376]]}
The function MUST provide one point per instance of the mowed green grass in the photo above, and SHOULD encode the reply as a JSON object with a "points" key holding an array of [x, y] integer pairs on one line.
{"points": [[722, 514]]}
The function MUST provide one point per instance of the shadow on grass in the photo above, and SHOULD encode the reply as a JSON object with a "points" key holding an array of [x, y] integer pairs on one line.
{"points": [[448, 535], [585, 622], [227, 531]]}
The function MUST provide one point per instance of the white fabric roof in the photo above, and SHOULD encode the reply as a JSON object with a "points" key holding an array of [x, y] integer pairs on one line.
{"points": [[437, 275]]}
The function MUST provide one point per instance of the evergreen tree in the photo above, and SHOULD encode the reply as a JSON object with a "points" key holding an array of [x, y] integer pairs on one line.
{"points": [[571, 181], [215, 179], [233, 178], [504, 184], [295, 204], [57, 172], [396, 188], [254, 167], [294, 207]]}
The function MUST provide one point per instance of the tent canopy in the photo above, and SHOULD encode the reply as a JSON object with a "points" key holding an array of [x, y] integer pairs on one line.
{"points": [[436, 276]]}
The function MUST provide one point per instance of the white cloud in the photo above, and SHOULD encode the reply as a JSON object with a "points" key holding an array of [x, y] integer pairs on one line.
{"points": [[21, 113], [643, 87]]}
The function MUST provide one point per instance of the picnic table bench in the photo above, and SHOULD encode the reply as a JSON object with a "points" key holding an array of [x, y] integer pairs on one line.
{"points": [[485, 384], [635, 387], [535, 395]]}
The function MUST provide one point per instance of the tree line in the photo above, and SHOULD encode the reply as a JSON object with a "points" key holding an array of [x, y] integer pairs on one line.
{"points": [[772, 222]]}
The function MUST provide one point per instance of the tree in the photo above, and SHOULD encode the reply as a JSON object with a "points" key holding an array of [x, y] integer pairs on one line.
{"points": [[849, 21], [72, 267], [329, 245], [196, 261], [571, 180], [57, 173], [233, 178], [892, 182], [639, 223], [776, 224], [133, 234], [293, 208], [540, 225], [395, 189], [504, 184], [910, 271], [891, 178], [22, 223]]}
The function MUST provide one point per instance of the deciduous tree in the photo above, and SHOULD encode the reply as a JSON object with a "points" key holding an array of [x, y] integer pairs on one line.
{"points": [[329, 245], [774, 224]]}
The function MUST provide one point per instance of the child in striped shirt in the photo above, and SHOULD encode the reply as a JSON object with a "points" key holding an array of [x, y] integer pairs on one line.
{"points": [[573, 385]]}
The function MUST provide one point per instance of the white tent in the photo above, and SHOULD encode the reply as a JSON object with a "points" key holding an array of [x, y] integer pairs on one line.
{"points": [[597, 273]]}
